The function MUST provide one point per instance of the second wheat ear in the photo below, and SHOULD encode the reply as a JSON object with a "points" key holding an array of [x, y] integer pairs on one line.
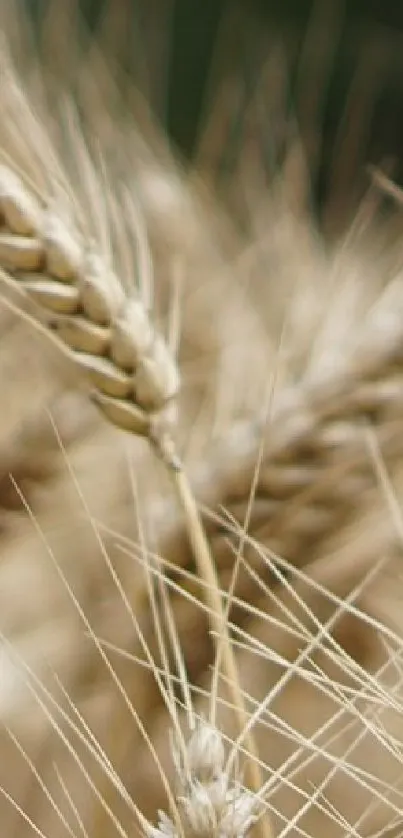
{"points": [[131, 375]]}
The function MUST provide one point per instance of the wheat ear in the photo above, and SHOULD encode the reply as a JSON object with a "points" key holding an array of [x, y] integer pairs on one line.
{"points": [[315, 465], [210, 802], [132, 377]]}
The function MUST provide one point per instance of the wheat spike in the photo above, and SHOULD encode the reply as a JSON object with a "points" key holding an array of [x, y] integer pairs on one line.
{"points": [[211, 804], [127, 365]]}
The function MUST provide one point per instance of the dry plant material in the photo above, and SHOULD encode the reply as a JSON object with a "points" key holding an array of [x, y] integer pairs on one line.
{"points": [[314, 464], [211, 804], [110, 337]]}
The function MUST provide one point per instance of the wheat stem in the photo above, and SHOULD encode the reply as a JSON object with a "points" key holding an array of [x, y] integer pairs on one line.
{"points": [[208, 573]]}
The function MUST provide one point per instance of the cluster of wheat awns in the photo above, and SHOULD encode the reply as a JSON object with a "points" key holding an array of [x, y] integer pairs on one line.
{"points": [[295, 599]]}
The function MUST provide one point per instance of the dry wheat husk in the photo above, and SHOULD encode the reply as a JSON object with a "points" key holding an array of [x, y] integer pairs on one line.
{"points": [[340, 478]]}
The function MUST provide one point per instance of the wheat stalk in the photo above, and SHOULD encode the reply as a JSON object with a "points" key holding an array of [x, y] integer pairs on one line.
{"points": [[110, 338]]}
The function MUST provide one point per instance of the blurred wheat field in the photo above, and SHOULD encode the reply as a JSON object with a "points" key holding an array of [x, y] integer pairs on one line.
{"points": [[290, 351]]}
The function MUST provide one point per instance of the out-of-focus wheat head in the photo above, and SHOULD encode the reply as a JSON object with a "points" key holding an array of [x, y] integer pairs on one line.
{"points": [[290, 420]]}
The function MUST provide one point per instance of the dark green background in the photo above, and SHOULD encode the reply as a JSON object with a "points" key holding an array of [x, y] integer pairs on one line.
{"points": [[369, 36]]}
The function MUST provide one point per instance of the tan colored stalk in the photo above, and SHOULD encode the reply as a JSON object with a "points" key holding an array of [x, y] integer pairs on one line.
{"points": [[110, 338]]}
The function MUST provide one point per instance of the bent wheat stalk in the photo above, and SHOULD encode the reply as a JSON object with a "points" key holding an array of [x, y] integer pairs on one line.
{"points": [[132, 377]]}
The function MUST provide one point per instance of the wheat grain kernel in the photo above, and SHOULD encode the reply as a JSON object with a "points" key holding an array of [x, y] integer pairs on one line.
{"points": [[102, 295], [81, 335], [21, 253], [132, 335], [156, 379], [63, 251], [21, 211], [105, 376], [61, 299], [125, 415], [206, 753]]}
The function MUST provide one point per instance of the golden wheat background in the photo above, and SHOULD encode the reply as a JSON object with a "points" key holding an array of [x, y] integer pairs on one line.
{"points": [[290, 412]]}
